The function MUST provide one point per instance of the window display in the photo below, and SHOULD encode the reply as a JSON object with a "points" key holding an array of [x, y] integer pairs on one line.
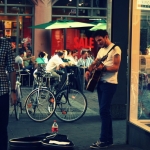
{"points": [[140, 66]]}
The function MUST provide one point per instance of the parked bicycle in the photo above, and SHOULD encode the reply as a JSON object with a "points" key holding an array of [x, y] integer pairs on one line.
{"points": [[18, 106], [66, 103]]}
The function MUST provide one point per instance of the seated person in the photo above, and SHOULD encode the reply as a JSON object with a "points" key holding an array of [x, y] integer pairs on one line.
{"points": [[29, 60], [84, 61], [90, 56], [72, 56], [54, 64], [19, 59], [41, 59]]}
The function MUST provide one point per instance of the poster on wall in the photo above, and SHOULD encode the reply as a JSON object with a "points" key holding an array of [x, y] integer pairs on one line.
{"points": [[7, 24], [7, 32], [14, 32], [57, 40], [14, 24]]}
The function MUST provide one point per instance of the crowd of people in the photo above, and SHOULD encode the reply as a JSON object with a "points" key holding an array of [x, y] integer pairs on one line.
{"points": [[58, 61]]}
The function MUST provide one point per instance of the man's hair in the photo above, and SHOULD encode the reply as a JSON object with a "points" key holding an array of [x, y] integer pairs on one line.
{"points": [[74, 51], [41, 54], [100, 32], [21, 51], [83, 52], [68, 51], [60, 53]]}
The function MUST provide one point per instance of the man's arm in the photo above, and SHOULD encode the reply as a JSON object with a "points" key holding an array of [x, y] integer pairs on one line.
{"points": [[115, 66], [62, 65]]}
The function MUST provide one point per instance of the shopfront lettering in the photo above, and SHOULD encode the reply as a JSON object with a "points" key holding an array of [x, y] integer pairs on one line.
{"points": [[83, 42]]}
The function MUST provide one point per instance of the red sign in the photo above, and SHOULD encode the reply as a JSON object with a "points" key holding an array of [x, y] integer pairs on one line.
{"points": [[83, 42]]}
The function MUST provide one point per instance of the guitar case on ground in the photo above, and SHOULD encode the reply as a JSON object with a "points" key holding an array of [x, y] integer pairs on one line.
{"points": [[44, 141]]}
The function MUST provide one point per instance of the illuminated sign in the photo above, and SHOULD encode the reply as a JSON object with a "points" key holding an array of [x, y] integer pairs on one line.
{"points": [[143, 4], [83, 42]]}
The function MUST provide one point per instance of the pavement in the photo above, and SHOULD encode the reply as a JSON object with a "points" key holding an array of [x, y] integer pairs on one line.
{"points": [[82, 132]]}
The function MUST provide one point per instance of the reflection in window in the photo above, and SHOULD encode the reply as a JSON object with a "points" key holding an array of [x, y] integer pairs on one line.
{"points": [[1, 9], [63, 11], [98, 12], [100, 3], [84, 3], [66, 3], [84, 12], [20, 10], [18, 2]]}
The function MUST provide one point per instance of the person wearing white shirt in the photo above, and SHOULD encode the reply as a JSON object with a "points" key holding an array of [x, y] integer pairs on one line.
{"points": [[55, 63], [19, 59], [107, 84], [84, 61]]}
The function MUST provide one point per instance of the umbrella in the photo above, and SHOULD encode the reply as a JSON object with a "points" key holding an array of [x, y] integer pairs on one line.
{"points": [[58, 24], [95, 22], [99, 26]]}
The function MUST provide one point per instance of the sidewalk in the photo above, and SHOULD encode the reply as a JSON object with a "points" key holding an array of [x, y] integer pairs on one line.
{"points": [[82, 132]]}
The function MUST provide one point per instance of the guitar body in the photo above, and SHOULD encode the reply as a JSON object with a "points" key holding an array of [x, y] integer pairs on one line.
{"points": [[95, 77]]}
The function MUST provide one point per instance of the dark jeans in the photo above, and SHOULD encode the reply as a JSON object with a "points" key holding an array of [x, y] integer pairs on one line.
{"points": [[106, 92], [4, 116]]}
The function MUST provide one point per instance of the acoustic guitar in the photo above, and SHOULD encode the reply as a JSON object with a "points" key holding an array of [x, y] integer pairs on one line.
{"points": [[96, 74]]}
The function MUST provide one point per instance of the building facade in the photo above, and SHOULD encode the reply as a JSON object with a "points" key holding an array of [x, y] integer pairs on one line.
{"points": [[15, 18]]}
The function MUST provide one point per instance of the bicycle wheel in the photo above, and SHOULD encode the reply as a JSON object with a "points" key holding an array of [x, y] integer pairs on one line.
{"points": [[40, 105], [71, 105]]}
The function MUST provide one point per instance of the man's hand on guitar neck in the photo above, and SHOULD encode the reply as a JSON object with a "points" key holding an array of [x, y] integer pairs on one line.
{"points": [[100, 67]]}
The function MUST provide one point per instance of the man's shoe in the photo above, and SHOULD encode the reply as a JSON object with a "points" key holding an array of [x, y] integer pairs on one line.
{"points": [[99, 145]]}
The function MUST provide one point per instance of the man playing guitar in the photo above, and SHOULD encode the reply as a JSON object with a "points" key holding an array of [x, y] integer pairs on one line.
{"points": [[107, 84]]}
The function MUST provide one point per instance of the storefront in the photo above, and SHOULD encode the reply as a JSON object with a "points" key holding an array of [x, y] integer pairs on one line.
{"points": [[138, 127], [15, 18], [87, 11]]}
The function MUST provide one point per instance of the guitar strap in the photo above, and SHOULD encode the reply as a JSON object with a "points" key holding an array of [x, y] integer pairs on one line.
{"points": [[105, 57]]}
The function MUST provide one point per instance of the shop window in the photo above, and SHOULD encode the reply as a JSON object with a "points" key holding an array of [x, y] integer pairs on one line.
{"points": [[19, 10], [18, 2], [99, 12], [100, 3], [140, 65], [63, 11], [84, 12], [84, 3], [1, 9], [66, 3]]}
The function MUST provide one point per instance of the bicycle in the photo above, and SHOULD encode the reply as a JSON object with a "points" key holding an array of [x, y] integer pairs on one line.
{"points": [[66, 103], [18, 105], [40, 103]]}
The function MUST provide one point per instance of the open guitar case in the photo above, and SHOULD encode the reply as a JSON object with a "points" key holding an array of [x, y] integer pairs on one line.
{"points": [[46, 141]]}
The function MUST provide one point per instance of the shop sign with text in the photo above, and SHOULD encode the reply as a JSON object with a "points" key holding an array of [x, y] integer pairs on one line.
{"points": [[83, 42]]}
